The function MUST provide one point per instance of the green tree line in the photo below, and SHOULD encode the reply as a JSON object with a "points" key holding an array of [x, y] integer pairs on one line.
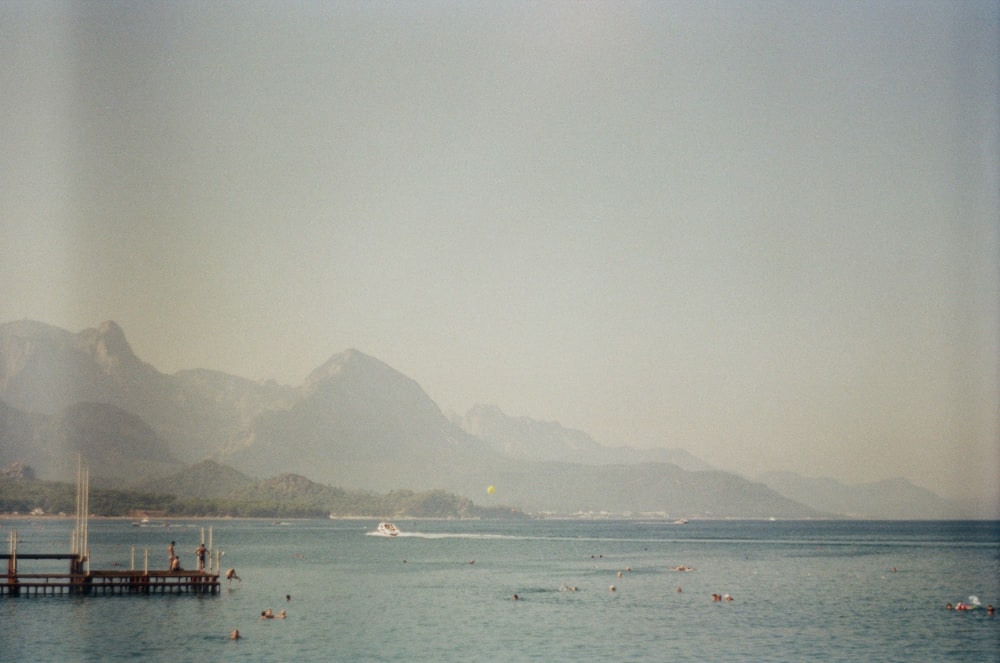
{"points": [[23, 496]]}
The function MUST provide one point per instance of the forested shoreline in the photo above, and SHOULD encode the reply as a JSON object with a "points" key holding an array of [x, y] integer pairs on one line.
{"points": [[40, 497]]}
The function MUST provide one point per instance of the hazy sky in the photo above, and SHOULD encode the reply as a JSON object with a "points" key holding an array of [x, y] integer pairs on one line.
{"points": [[764, 232]]}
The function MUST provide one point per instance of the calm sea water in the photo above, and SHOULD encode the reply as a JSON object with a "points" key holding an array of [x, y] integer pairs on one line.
{"points": [[802, 590]]}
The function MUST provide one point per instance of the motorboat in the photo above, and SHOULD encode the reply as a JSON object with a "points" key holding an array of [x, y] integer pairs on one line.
{"points": [[387, 529]]}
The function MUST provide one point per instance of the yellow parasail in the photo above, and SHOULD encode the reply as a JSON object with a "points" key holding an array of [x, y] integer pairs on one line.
{"points": [[491, 490]]}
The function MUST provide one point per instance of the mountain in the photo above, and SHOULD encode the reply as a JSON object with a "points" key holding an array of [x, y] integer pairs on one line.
{"points": [[529, 439], [204, 480], [44, 369], [210, 480], [20, 434], [354, 422], [892, 499], [360, 424], [115, 443]]}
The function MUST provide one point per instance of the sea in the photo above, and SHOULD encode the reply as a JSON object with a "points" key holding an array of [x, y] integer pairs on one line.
{"points": [[588, 590]]}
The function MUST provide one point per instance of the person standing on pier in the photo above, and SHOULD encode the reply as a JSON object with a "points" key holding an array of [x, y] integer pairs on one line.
{"points": [[201, 556], [170, 552]]}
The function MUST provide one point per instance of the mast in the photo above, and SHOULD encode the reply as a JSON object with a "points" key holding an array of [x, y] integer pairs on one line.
{"points": [[78, 544]]}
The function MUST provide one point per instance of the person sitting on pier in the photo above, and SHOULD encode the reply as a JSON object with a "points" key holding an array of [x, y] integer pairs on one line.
{"points": [[200, 551], [231, 575], [175, 563]]}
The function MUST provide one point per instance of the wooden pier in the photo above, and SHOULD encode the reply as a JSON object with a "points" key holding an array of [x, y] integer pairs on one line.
{"points": [[81, 580], [101, 583]]}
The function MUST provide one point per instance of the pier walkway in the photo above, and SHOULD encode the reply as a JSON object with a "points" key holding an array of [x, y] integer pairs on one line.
{"points": [[93, 583]]}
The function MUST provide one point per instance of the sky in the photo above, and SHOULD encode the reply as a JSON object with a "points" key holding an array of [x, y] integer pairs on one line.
{"points": [[763, 232]]}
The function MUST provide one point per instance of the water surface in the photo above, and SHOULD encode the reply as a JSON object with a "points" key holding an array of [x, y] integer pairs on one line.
{"points": [[826, 590]]}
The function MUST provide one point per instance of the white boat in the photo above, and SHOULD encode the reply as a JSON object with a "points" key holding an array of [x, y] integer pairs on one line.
{"points": [[387, 529], [681, 521]]}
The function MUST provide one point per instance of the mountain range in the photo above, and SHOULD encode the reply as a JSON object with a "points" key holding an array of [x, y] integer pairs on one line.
{"points": [[359, 424]]}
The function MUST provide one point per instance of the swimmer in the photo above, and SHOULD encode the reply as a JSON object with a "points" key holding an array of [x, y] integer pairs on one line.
{"points": [[727, 597], [990, 609], [516, 597], [948, 606], [231, 575], [282, 614], [612, 588], [235, 635]]}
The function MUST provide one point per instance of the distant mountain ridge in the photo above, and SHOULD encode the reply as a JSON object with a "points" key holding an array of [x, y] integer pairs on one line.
{"points": [[354, 422], [528, 439], [892, 499], [44, 370]]}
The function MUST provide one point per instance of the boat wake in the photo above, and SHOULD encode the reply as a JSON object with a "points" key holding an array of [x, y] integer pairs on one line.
{"points": [[446, 535]]}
